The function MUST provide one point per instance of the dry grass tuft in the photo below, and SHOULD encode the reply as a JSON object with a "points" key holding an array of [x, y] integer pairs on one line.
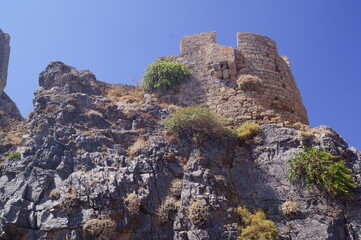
{"points": [[55, 194], [140, 144], [100, 229], [309, 133], [94, 113], [12, 136], [197, 122], [133, 203], [126, 94], [249, 83], [290, 208], [199, 213], [176, 188], [247, 131], [170, 204], [68, 202]]}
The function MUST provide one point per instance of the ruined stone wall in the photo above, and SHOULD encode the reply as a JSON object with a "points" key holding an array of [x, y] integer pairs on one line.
{"points": [[4, 59], [250, 83]]}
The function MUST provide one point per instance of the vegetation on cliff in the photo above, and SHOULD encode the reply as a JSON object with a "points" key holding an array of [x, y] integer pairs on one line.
{"points": [[247, 131], [323, 169], [255, 226], [197, 122], [164, 75]]}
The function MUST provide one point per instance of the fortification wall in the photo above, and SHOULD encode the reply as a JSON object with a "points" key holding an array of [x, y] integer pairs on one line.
{"points": [[250, 83], [4, 58]]}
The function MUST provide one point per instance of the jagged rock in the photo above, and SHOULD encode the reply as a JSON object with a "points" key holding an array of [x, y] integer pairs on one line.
{"points": [[90, 154], [10, 116], [4, 58]]}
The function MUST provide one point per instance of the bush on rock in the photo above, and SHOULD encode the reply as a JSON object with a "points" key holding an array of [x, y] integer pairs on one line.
{"points": [[164, 75]]}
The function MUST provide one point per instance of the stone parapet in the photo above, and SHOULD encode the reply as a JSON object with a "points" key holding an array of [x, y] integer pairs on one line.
{"points": [[197, 41], [250, 83], [260, 51]]}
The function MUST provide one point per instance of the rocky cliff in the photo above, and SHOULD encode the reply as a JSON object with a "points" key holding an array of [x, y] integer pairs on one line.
{"points": [[96, 163], [10, 117]]}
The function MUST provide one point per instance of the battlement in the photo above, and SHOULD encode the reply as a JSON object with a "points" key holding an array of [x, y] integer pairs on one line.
{"points": [[249, 83], [197, 41]]}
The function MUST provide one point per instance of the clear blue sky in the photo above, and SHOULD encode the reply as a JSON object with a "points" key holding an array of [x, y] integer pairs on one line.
{"points": [[116, 39]]}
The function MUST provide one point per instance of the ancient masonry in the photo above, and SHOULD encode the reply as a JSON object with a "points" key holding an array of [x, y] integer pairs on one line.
{"points": [[250, 83], [4, 59]]}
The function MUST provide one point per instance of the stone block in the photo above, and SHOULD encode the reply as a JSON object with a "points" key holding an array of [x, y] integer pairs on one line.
{"points": [[218, 74], [232, 72], [244, 70], [241, 65], [224, 54], [217, 66], [232, 65], [226, 74], [224, 67]]}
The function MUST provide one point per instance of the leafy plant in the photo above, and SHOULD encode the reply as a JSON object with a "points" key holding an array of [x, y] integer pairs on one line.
{"points": [[256, 226], [247, 130], [163, 75], [323, 169], [197, 122], [16, 155]]}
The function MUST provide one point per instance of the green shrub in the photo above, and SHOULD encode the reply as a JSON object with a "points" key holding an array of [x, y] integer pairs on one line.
{"points": [[197, 122], [16, 155], [255, 226], [247, 131], [323, 169], [163, 75]]}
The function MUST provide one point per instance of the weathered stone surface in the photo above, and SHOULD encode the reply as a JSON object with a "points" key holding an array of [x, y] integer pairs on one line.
{"points": [[217, 66], [197, 41], [4, 58], [218, 74], [255, 55], [89, 154], [223, 54], [225, 74], [232, 72], [10, 116]]}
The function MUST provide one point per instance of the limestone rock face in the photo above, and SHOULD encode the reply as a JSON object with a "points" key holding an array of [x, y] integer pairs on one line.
{"points": [[4, 58], [96, 163], [68, 79], [10, 117]]}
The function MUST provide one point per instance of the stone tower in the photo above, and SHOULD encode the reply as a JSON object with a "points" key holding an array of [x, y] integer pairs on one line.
{"points": [[250, 83], [4, 59]]}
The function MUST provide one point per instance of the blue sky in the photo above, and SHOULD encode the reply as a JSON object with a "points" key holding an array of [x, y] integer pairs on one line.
{"points": [[116, 39]]}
